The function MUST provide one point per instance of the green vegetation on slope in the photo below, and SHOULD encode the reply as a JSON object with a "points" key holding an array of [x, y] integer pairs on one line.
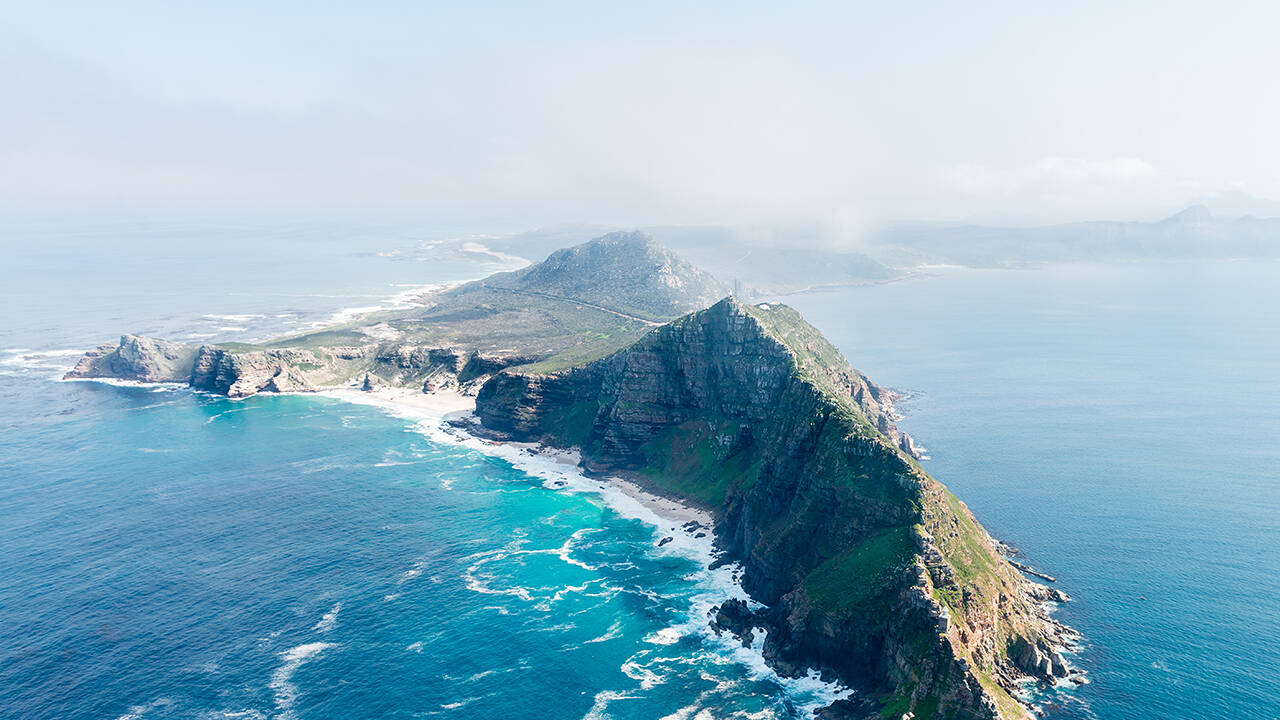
{"points": [[697, 460], [750, 411], [857, 577]]}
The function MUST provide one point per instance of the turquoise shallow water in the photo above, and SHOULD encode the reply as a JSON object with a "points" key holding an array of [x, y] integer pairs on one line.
{"points": [[173, 555], [177, 555], [189, 556]]}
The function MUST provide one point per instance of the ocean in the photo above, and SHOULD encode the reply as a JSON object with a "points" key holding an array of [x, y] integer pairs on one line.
{"points": [[177, 555], [1119, 426]]}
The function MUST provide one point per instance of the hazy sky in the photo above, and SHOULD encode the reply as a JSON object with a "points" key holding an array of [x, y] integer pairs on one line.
{"points": [[839, 113]]}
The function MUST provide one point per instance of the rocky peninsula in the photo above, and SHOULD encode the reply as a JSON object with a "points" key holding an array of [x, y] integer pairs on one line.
{"points": [[869, 570]]}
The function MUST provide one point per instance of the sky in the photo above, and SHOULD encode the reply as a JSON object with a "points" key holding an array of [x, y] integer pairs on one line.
{"points": [[843, 114]]}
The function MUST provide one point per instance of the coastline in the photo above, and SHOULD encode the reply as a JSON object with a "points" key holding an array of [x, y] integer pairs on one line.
{"points": [[680, 529], [683, 527], [442, 406]]}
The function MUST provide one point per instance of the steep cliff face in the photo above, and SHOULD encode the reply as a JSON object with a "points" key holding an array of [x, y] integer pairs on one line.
{"points": [[138, 358], [869, 567], [239, 374]]}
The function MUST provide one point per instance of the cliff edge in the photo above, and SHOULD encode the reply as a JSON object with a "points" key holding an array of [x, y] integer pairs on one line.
{"points": [[870, 569]]}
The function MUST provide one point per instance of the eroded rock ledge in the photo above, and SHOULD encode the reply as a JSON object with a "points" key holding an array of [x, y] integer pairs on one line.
{"points": [[241, 373]]}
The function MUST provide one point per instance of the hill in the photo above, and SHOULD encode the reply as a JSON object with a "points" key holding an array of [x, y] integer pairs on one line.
{"points": [[579, 304], [626, 272], [870, 569]]}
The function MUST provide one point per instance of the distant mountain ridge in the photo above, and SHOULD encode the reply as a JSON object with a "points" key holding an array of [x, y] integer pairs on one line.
{"points": [[766, 262], [758, 262], [1193, 233]]}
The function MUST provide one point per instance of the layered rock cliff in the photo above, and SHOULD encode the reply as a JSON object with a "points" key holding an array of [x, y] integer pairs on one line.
{"points": [[870, 569]]}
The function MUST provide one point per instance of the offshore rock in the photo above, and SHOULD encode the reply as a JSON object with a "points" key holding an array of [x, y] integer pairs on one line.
{"points": [[138, 358], [908, 445], [735, 618]]}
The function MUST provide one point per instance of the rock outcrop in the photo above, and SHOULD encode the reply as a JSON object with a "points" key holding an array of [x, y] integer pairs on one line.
{"points": [[245, 372], [138, 358], [871, 570]]}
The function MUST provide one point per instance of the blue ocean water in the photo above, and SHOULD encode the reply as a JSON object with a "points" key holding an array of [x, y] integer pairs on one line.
{"points": [[174, 555], [1119, 425], [178, 555]]}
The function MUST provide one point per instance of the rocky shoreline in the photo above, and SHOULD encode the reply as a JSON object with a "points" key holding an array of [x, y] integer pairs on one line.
{"points": [[953, 631], [741, 419]]}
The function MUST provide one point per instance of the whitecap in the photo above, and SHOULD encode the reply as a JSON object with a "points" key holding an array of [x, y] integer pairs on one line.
{"points": [[237, 715], [688, 712], [600, 703], [565, 551], [665, 636], [412, 572], [461, 703], [329, 620], [490, 673], [614, 631], [286, 692], [24, 360], [137, 712], [226, 412], [647, 678]]}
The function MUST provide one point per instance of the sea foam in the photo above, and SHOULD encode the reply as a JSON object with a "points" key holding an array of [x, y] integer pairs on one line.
{"points": [[286, 692], [559, 471]]}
